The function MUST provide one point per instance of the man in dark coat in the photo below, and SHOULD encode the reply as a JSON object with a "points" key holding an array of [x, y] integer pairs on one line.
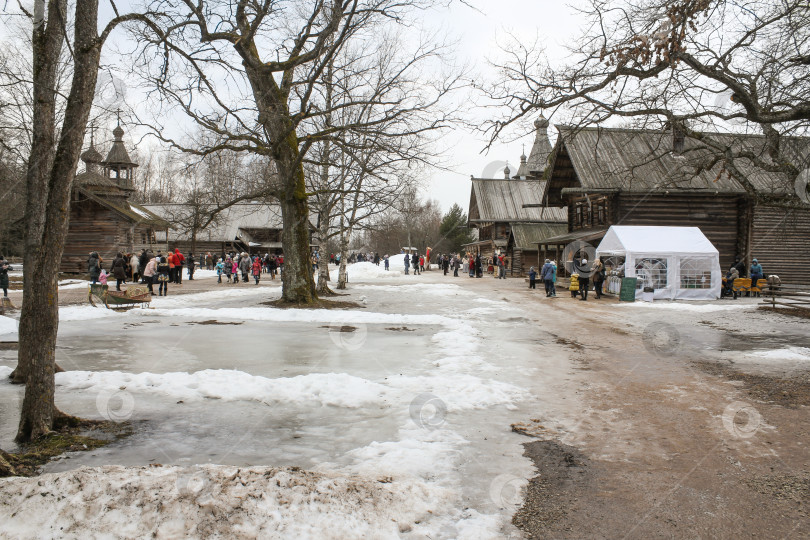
{"points": [[4, 268], [119, 270], [94, 266]]}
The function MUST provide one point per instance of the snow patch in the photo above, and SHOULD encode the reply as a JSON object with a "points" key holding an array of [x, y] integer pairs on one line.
{"points": [[175, 502], [795, 354], [365, 270], [5, 371]]}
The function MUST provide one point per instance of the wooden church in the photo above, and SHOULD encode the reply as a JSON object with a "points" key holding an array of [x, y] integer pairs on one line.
{"points": [[102, 218]]}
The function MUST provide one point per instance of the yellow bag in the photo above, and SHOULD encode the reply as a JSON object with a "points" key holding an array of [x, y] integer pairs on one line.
{"points": [[574, 286]]}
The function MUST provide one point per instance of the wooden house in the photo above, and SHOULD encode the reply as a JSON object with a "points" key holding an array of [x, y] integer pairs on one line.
{"points": [[102, 218], [507, 212], [607, 176], [253, 227]]}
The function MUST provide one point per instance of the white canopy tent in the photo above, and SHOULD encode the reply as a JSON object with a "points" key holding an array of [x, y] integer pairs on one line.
{"points": [[679, 263]]}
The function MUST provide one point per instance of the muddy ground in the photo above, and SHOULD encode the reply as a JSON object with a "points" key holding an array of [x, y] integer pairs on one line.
{"points": [[684, 435]]}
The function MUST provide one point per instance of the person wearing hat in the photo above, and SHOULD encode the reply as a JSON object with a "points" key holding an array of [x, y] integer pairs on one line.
{"points": [[533, 278], [547, 274], [584, 279], [4, 268], [756, 272]]}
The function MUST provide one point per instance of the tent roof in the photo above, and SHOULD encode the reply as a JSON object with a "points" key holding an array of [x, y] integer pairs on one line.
{"points": [[675, 240]]}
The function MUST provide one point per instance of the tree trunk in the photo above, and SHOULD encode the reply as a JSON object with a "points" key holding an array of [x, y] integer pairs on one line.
{"points": [[323, 266], [297, 280], [49, 186]]}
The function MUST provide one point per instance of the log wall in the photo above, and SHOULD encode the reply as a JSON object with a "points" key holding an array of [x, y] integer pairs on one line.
{"points": [[781, 241], [717, 216]]}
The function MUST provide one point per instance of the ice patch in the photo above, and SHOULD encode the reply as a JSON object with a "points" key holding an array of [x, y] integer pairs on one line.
{"points": [[335, 389], [8, 325]]}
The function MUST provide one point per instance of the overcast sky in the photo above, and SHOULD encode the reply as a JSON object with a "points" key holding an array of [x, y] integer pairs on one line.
{"points": [[479, 33]]}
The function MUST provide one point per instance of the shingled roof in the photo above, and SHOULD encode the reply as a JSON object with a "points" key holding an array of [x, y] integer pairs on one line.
{"points": [[510, 200], [605, 159], [233, 222]]}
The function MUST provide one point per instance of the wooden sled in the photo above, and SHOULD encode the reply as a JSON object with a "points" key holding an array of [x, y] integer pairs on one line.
{"points": [[125, 299]]}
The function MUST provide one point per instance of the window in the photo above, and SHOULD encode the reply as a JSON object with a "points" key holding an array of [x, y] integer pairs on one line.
{"points": [[651, 273], [696, 274]]}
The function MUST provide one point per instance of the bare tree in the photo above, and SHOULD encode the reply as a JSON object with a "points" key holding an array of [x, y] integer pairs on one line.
{"points": [[270, 58], [694, 66], [51, 168]]}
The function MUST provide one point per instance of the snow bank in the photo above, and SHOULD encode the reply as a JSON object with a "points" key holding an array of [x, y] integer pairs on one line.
{"points": [[209, 501], [366, 270], [335, 389], [461, 392], [73, 284], [8, 325], [5, 371]]}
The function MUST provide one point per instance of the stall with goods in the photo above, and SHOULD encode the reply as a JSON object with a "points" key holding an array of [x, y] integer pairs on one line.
{"points": [[675, 263]]}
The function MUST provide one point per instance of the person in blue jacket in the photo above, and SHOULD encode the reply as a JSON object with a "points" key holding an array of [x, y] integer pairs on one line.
{"points": [[547, 273], [756, 272], [532, 278]]}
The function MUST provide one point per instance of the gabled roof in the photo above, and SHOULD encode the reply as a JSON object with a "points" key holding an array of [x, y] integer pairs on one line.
{"points": [[527, 235], [510, 200], [131, 211], [234, 222], [634, 160]]}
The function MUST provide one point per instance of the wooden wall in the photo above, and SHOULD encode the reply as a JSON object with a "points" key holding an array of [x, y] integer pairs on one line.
{"points": [[781, 242], [717, 216], [94, 227]]}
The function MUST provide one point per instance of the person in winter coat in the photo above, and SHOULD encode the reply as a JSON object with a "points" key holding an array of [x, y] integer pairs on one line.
{"points": [[220, 270], [119, 271], [598, 274], [102, 277], [209, 261], [149, 274], [190, 265], [179, 262], [227, 267], [547, 274], [235, 270], [171, 260], [554, 279], [533, 279], [584, 279], [387, 262], [407, 263], [4, 268], [135, 267], [245, 264], [731, 275], [415, 264], [163, 276], [756, 272], [94, 266], [257, 269], [143, 260]]}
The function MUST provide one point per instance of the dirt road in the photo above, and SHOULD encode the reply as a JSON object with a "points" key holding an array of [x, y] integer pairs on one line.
{"points": [[693, 426]]}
